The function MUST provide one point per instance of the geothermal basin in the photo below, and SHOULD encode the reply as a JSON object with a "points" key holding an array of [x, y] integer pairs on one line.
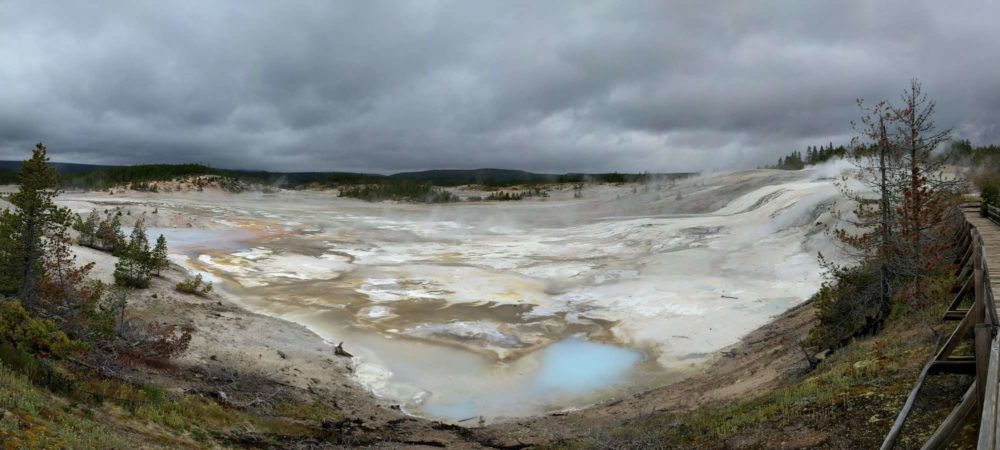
{"points": [[506, 309]]}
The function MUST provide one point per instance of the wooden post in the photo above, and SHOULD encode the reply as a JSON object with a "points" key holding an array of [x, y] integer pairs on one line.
{"points": [[978, 280], [988, 418], [942, 436], [897, 427], [983, 340]]}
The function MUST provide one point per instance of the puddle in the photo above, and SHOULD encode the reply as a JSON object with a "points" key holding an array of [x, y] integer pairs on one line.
{"points": [[455, 385], [185, 240]]}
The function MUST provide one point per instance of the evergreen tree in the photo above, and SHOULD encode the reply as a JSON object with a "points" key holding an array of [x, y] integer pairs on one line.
{"points": [[23, 228], [133, 266], [113, 306], [65, 294], [159, 259], [110, 234], [88, 229], [927, 194]]}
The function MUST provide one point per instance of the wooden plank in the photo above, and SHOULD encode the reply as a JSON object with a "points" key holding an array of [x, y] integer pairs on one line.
{"points": [[970, 319], [961, 294], [897, 426], [955, 366], [964, 245], [955, 314], [977, 275], [983, 340], [990, 308], [988, 418], [953, 422], [964, 271]]}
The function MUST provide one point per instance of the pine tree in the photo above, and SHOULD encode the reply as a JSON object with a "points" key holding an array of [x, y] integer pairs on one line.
{"points": [[927, 195], [23, 229], [64, 290], [159, 259], [88, 229], [133, 266], [110, 233], [113, 305]]}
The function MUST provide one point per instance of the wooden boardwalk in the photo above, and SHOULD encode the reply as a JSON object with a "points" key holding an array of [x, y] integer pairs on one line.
{"points": [[988, 225], [989, 231], [974, 307]]}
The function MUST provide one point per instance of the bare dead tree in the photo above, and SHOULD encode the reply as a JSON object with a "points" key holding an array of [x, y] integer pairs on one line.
{"points": [[927, 193], [901, 222]]}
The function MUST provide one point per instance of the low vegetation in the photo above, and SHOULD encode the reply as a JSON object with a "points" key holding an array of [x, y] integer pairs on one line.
{"points": [[399, 190], [101, 234], [504, 196], [195, 286], [30, 417]]}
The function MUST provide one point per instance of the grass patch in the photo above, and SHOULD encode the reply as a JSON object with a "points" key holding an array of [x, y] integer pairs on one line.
{"points": [[32, 419], [96, 411], [306, 411]]}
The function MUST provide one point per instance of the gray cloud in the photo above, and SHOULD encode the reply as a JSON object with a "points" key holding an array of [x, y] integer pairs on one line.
{"points": [[546, 86]]}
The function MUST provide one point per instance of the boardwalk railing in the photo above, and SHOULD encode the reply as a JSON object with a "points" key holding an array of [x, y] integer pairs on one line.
{"points": [[989, 423], [979, 321]]}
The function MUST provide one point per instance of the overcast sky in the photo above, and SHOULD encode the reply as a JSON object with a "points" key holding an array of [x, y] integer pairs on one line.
{"points": [[539, 85]]}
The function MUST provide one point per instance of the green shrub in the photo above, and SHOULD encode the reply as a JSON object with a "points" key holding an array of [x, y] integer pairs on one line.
{"points": [[154, 393], [849, 304], [16, 392], [989, 191], [196, 286], [36, 423], [28, 334], [503, 196], [41, 373]]}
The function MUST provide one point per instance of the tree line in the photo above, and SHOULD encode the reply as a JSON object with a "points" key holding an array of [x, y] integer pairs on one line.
{"points": [[504, 196], [400, 190], [144, 177], [813, 155]]}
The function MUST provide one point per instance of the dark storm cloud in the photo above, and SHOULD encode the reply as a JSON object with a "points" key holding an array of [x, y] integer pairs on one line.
{"points": [[545, 86]]}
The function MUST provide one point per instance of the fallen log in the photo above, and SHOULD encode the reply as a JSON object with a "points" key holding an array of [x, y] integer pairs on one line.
{"points": [[339, 351]]}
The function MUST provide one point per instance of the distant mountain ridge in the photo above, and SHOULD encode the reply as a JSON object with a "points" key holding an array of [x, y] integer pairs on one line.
{"points": [[99, 176], [61, 167]]}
